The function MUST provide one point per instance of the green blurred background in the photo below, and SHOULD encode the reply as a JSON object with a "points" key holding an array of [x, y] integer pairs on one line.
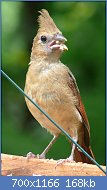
{"points": [[83, 24]]}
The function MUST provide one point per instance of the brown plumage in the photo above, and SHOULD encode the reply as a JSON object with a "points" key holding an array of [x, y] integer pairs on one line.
{"points": [[46, 23], [52, 85]]}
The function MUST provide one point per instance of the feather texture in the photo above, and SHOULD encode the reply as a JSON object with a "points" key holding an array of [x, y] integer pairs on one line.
{"points": [[51, 84], [46, 23]]}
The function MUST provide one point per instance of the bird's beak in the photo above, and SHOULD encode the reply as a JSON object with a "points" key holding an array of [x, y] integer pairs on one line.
{"points": [[57, 43], [60, 38]]}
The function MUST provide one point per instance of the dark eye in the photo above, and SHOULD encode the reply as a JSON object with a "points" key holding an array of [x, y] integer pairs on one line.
{"points": [[43, 39]]}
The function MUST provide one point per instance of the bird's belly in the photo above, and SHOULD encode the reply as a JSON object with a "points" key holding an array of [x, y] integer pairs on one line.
{"points": [[63, 113]]}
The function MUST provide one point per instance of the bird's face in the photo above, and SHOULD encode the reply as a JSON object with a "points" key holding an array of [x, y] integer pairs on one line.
{"points": [[51, 43]]}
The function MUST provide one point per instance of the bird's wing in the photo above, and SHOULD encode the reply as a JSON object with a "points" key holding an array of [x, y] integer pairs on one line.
{"points": [[80, 107], [78, 155]]}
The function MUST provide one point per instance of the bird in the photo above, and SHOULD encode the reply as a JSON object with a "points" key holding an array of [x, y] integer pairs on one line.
{"points": [[52, 85]]}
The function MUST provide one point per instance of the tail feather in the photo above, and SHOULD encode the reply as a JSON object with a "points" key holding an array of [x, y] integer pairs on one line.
{"points": [[81, 157]]}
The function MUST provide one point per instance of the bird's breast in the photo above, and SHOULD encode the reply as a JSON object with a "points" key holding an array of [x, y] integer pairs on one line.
{"points": [[51, 92]]}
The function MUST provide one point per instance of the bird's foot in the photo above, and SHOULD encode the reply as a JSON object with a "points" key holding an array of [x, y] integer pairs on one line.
{"points": [[31, 155], [61, 161], [42, 156]]}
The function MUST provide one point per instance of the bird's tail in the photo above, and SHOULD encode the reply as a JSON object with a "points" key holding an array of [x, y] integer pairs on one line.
{"points": [[81, 157]]}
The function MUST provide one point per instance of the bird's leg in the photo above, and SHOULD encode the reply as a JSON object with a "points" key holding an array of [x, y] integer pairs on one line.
{"points": [[48, 147], [42, 155], [71, 157]]}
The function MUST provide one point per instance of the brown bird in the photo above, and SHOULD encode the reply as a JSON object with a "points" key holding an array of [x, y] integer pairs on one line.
{"points": [[53, 87]]}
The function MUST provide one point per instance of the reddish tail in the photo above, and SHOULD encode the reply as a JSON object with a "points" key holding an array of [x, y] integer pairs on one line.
{"points": [[81, 157]]}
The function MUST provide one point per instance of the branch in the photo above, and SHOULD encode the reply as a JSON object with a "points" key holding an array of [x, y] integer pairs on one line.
{"points": [[22, 166]]}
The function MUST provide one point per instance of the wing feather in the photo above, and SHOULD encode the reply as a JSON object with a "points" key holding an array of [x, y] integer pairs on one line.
{"points": [[80, 107]]}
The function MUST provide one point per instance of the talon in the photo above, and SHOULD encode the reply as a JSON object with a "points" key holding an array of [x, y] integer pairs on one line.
{"points": [[30, 155], [42, 156], [64, 160]]}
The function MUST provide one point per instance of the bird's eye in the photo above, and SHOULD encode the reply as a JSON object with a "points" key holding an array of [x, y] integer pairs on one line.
{"points": [[43, 39]]}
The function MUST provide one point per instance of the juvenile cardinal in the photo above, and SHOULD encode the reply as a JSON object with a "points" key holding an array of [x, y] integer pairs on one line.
{"points": [[53, 87]]}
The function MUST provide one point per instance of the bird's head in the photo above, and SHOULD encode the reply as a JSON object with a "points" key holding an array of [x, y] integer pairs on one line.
{"points": [[49, 40]]}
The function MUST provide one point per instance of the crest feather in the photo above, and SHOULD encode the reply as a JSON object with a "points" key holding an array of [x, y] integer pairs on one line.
{"points": [[46, 23]]}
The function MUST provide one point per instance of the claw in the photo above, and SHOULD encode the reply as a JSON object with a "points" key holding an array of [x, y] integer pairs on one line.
{"points": [[30, 155], [64, 160]]}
